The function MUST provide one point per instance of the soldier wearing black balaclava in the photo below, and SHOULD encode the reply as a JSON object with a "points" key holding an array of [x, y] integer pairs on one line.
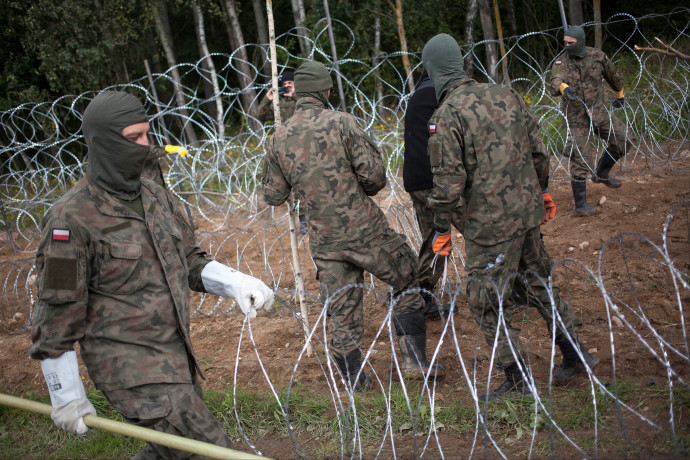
{"points": [[114, 266], [577, 75]]}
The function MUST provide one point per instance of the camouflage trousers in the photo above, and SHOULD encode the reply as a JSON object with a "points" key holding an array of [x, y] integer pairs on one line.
{"points": [[386, 256], [174, 408], [580, 146], [520, 270], [425, 219]]}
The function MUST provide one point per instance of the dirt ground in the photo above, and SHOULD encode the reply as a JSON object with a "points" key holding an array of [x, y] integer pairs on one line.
{"points": [[627, 230]]}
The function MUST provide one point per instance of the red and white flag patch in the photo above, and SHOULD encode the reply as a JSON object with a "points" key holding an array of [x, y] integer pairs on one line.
{"points": [[559, 62], [432, 129], [60, 234]]}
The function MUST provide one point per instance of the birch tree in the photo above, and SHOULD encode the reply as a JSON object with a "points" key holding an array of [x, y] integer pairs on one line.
{"points": [[299, 15], [489, 37], [403, 44], [469, 30]]}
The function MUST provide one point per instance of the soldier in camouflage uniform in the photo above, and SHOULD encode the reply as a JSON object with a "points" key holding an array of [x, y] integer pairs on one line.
{"points": [[490, 181], [334, 168], [286, 103], [115, 264], [577, 74]]}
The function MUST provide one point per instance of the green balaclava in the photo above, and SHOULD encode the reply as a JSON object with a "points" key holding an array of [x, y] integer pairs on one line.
{"points": [[115, 163], [577, 49], [443, 62], [313, 80]]}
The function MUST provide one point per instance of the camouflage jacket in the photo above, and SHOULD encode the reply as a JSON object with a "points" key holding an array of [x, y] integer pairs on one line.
{"points": [[333, 168], [286, 104], [585, 76], [489, 163], [119, 285]]}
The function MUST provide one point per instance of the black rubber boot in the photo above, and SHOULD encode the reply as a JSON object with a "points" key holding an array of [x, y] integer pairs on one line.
{"points": [[432, 309], [513, 387], [572, 364], [349, 367], [580, 196], [411, 331], [601, 175]]}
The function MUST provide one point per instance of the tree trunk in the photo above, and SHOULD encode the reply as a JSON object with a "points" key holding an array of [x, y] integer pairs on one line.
{"points": [[338, 79], [512, 20], [210, 67], [489, 37], [469, 29], [245, 74], [160, 16], [303, 17], [597, 23], [298, 15], [575, 13], [504, 58], [378, 85], [403, 44], [262, 33]]}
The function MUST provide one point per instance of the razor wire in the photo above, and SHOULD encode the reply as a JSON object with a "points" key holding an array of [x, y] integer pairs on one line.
{"points": [[44, 155]]}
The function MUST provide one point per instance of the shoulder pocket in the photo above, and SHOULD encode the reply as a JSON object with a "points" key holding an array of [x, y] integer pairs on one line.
{"points": [[63, 278]]}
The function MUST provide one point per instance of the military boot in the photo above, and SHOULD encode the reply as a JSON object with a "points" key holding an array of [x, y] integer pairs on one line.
{"points": [[572, 364], [601, 175], [411, 331], [580, 195], [432, 309], [349, 367], [513, 387]]}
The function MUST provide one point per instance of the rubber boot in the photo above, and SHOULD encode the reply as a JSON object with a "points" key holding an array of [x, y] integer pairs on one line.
{"points": [[411, 331], [601, 175], [580, 196], [572, 364], [349, 367], [432, 309], [513, 387]]}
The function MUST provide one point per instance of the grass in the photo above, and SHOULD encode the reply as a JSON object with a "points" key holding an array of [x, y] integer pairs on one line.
{"points": [[311, 415]]}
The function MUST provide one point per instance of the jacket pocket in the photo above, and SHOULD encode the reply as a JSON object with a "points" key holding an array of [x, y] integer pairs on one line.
{"points": [[120, 267]]}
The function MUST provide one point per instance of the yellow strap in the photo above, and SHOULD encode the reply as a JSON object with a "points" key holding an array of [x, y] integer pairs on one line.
{"points": [[619, 94], [563, 87], [176, 149]]}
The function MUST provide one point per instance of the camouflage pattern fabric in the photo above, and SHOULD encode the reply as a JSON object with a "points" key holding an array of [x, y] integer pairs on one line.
{"points": [[386, 256], [170, 408], [333, 168], [286, 104], [587, 115], [527, 256], [489, 164], [425, 219], [119, 285]]}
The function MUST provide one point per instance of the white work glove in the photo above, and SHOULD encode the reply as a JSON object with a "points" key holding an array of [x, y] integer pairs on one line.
{"points": [[67, 395], [251, 293]]}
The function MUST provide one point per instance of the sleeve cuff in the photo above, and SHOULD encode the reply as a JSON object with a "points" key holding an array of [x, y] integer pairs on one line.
{"points": [[619, 94], [563, 87]]}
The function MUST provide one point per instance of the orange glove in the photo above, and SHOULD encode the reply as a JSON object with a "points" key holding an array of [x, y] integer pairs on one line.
{"points": [[441, 243], [550, 207]]}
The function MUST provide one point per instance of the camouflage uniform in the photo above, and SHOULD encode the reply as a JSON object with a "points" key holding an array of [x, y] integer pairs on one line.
{"points": [[286, 104], [333, 168], [489, 172], [588, 114], [118, 284], [152, 167]]}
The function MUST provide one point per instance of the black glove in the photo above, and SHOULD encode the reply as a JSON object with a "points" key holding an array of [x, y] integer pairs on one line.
{"points": [[569, 93], [618, 103]]}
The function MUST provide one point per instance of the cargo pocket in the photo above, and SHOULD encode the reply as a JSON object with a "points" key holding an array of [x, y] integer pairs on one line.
{"points": [[482, 286], [401, 262], [142, 410], [119, 268]]}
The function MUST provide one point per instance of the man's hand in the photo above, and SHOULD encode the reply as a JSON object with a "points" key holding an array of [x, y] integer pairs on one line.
{"points": [[618, 103], [550, 207], [569, 93], [441, 244], [250, 293], [67, 394]]}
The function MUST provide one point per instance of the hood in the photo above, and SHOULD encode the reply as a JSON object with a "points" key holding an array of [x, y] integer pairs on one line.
{"points": [[578, 49], [443, 62], [115, 163], [312, 79]]}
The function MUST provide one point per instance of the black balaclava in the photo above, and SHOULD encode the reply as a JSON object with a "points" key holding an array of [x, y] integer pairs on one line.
{"points": [[313, 80], [288, 75], [115, 163], [577, 49], [443, 62]]}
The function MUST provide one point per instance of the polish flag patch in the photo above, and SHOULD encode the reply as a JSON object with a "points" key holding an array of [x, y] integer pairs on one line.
{"points": [[559, 62], [60, 234], [432, 129]]}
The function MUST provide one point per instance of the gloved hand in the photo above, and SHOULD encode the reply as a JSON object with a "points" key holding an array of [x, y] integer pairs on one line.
{"points": [[550, 207], [250, 293], [441, 244], [618, 103], [176, 149], [67, 395], [569, 93]]}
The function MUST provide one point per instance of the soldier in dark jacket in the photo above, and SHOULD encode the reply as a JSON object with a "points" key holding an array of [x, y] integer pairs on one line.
{"points": [[418, 182], [577, 74], [334, 168], [491, 181], [115, 264]]}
